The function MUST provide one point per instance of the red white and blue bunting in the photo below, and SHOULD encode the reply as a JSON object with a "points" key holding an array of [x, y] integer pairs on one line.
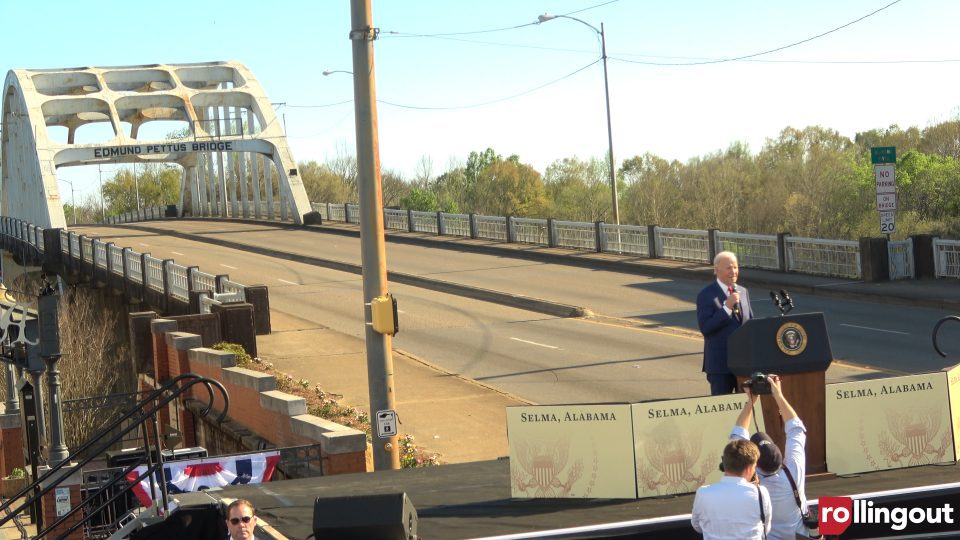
{"points": [[200, 474]]}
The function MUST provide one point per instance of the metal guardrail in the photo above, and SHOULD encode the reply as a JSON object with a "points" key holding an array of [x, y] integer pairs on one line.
{"points": [[946, 258]]}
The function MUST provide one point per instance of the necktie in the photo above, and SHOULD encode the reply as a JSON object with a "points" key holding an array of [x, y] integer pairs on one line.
{"points": [[736, 308]]}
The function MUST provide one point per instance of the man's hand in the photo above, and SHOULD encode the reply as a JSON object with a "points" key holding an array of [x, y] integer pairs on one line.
{"points": [[732, 300], [774, 381]]}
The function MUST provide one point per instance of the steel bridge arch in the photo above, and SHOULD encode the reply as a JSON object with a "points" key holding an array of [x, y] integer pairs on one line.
{"points": [[235, 158]]}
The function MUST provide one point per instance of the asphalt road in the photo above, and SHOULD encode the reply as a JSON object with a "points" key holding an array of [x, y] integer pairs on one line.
{"points": [[647, 349]]}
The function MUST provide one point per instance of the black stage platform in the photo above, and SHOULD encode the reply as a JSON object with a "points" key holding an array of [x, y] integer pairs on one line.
{"points": [[472, 500]]}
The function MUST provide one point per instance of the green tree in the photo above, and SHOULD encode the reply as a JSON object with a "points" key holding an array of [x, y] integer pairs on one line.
{"points": [[156, 185], [420, 199], [578, 190]]}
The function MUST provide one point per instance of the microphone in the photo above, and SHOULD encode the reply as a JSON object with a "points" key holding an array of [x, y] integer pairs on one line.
{"points": [[786, 298], [736, 307], [776, 299]]}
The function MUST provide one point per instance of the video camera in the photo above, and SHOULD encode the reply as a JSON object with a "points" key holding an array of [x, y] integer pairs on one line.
{"points": [[758, 384]]}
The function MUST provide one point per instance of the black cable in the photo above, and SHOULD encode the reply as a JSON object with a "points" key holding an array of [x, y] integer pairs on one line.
{"points": [[743, 57]]}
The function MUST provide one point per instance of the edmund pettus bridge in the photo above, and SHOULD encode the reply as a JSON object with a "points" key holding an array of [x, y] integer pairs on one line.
{"points": [[495, 311]]}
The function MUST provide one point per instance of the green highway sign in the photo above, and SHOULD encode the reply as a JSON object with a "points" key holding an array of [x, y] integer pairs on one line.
{"points": [[883, 154]]}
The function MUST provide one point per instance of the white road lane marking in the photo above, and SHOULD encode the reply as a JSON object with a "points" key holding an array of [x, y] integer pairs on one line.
{"points": [[534, 343], [287, 282], [228, 266], [876, 329], [176, 253], [142, 244]]}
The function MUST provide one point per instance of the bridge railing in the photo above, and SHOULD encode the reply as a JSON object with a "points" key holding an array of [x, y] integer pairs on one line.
{"points": [[202, 281], [163, 284], [946, 256], [753, 250], [779, 252], [178, 280], [824, 257]]}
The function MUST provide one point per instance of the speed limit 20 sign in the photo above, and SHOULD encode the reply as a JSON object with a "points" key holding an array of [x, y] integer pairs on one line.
{"points": [[888, 222]]}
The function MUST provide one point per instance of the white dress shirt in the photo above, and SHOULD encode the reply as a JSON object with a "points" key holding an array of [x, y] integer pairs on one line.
{"points": [[729, 510], [786, 515]]}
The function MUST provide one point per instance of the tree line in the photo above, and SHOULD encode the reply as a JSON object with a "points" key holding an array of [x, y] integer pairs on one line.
{"points": [[810, 182]]}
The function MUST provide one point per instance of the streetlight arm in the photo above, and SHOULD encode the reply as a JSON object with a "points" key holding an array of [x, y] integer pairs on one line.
{"points": [[548, 17], [601, 36]]}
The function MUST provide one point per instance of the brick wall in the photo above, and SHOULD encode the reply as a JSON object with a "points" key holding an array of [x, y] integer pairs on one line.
{"points": [[259, 416]]}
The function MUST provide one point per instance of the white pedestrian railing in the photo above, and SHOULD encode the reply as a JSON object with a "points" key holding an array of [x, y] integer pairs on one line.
{"points": [[456, 224], [423, 222], [395, 220], [134, 266], [753, 250], [491, 227], [202, 281], [530, 231], [946, 257], [115, 254], [153, 273], [178, 281], [823, 257], [575, 234], [625, 239], [683, 244]]}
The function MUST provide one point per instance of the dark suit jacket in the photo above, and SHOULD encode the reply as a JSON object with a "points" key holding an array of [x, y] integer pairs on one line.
{"points": [[716, 326]]}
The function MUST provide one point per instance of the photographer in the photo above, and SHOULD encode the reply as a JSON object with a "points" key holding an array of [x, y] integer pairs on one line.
{"points": [[736, 506], [783, 474]]}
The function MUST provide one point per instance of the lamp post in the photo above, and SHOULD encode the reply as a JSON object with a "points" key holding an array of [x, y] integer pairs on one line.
{"points": [[103, 208], [136, 184], [73, 196], [606, 88]]}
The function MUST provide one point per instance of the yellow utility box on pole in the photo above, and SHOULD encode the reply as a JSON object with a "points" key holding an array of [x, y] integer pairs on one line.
{"points": [[383, 314]]}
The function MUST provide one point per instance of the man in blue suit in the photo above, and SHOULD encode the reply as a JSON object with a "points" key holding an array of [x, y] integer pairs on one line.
{"points": [[722, 307]]}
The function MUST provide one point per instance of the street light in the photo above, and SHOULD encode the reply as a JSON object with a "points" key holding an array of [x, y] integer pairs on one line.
{"points": [[606, 88], [73, 195], [103, 208], [331, 71]]}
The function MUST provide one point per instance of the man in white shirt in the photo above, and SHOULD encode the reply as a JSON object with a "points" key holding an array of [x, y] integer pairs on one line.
{"points": [[774, 466], [734, 508]]}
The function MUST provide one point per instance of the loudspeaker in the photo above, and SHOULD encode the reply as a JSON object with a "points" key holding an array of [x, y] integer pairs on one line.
{"points": [[365, 517]]}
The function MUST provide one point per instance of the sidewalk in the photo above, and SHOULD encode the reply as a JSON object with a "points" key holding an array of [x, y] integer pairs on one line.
{"points": [[456, 417]]}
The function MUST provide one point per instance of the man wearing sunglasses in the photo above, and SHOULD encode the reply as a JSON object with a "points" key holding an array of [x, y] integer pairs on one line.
{"points": [[241, 520]]}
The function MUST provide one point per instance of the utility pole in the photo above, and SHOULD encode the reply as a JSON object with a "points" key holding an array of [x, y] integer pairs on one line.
{"points": [[373, 256]]}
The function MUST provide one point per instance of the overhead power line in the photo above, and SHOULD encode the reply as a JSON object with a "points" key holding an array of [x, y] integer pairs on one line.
{"points": [[761, 53]]}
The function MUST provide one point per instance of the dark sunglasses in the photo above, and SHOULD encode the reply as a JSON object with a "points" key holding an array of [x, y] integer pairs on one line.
{"points": [[236, 521]]}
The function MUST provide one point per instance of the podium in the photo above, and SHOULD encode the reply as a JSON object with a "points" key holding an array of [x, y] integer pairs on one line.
{"points": [[797, 348]]}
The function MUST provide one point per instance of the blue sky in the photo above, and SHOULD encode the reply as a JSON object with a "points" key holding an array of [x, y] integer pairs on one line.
{"points": [[898, 66]]}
